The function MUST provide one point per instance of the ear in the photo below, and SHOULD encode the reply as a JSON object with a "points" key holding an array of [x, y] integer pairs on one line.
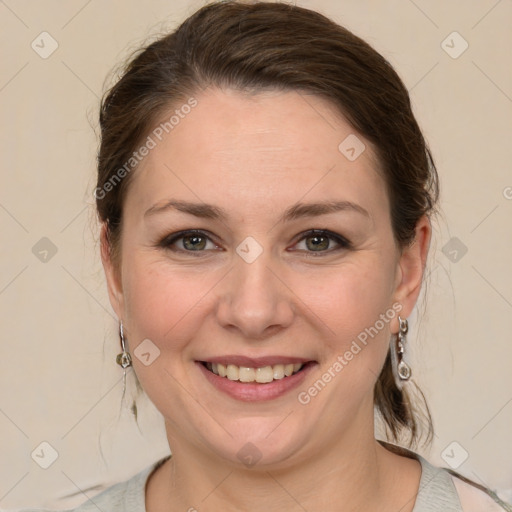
{"points": [[411, 266], [112, 274]]}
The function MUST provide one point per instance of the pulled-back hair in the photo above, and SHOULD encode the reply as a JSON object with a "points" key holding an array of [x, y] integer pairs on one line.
{"points": [[256, 46]]}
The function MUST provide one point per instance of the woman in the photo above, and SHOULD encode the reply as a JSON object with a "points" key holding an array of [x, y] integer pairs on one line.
{"points": [[265, 195]]}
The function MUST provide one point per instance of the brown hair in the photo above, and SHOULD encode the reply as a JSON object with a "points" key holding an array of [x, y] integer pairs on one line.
{"points": [[265, 45]]}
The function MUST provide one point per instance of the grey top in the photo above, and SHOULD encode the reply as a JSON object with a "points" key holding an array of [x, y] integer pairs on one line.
{"points": [[439, 491]]}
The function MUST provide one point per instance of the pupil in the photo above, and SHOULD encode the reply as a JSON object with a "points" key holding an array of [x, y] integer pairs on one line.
{"points": [[321, 242], [195, 242]]}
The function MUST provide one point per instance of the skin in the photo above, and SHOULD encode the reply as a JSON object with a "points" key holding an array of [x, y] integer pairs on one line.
{"points": [[255, 156]]}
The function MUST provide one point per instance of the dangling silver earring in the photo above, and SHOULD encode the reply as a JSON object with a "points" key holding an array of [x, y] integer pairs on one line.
{"points": [[401, 370], [404, 370], [123, 359]]}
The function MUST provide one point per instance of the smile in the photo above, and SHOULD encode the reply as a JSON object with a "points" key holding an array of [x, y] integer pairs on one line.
{"points": [[252, 380], [261, 375]]}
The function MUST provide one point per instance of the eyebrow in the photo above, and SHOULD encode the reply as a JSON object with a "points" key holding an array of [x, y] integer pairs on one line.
{"points": [[297, 211]]}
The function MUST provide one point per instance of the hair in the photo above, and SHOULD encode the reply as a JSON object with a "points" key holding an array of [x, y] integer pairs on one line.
{"points": [[259, 46]]}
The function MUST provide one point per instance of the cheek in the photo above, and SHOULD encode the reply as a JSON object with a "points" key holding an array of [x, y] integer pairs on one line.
{"points": [[350, 298], [356, 305], [159, 302], [165, 303], [161, 305]]}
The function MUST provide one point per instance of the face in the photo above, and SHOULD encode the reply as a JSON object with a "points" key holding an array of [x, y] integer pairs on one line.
{"points": [[254, 245]]}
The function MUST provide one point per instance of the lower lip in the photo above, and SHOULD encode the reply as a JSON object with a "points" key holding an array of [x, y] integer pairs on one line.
{"points": [[253, 391]]}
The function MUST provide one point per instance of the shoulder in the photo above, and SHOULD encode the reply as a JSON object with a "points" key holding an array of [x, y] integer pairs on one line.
{"points": [[123, 496], [475, 498], [443, 490]]}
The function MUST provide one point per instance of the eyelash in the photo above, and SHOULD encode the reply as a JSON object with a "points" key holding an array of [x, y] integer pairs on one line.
{"points": [[171, 239]]}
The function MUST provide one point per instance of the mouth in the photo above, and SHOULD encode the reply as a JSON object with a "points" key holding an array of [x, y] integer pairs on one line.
{"points": [[253, 380], [247, 374]]}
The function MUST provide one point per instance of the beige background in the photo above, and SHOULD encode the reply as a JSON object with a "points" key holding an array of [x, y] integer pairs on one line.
{"points": [[58, 377]]}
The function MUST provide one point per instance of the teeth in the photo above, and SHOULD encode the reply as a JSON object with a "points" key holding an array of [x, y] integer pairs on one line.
{"points": [[278, 371], [221, 370], [232, 372], [265, 374], [246, 374], [261, 375]]}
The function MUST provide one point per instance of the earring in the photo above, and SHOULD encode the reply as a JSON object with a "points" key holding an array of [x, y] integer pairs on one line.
{"points": [[123, 359], [403, 369]]}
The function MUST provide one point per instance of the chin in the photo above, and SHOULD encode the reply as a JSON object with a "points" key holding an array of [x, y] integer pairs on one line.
{"points": [[262, 442]]}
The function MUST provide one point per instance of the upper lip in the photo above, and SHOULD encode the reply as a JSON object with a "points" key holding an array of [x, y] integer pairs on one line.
{"points": [[255, 362]]}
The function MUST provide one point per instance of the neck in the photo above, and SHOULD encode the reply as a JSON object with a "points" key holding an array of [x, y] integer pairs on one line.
{"points": [[355, 472]]}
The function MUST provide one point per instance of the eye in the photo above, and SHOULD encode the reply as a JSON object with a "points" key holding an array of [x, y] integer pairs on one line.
{"points": [[188, 241], [197, 241], [321, 241]]}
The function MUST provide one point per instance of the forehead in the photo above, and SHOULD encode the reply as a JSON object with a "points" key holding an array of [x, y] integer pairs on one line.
{"points": [[252, 148]]}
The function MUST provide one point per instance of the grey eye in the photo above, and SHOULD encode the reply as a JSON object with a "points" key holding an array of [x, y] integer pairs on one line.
{"points": [[194, 242]]}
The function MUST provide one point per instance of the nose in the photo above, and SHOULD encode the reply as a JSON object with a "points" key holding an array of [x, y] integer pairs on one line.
{"points": [[255, 301]]}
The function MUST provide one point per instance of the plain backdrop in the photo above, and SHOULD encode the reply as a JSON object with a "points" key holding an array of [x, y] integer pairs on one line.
{"points": [[58, 378]]}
